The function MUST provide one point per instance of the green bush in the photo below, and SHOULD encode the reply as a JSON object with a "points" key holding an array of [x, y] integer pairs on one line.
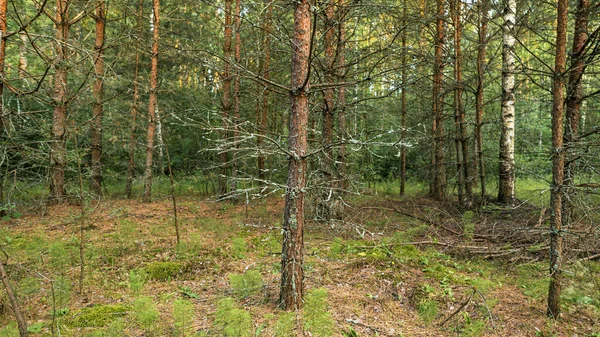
{"points": [[428, 310], [238, 248], [145, 312], [162, 271], [97, 316], [247, 284], [231, 321], [137, 278], [317, 319], [183, 314], [285, 325]]}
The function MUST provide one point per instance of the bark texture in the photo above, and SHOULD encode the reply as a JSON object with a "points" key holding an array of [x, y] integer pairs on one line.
{"points": [[153, 101], [483, 6], [341, 71], [403, 103], [226, 98], [98, 109], [58, 150], [263, 108], [437, 187], [134, 104], [506, 175], [558, 162], [292, 276], [236, 99]]}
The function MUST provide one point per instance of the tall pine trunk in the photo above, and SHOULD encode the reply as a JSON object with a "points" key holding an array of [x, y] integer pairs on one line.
{"points": [[292, 276], [263, 108], [96, 124], [574, 100], [134, 104], [341, 68], [58, 150], [437, 187], [226, 99], [153, 101], [236, 100], [480, 96], [558, 162], [506, 175], [403, 101]]}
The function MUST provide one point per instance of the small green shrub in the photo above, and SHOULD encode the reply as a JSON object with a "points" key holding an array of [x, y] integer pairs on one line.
{"points": [[10, 330], [162, 271], [231, 321], [473, 329], [247, 284], [238, 248], [317, 319], [60, 257], [428, 310], [62, 294], [114, 329], [285, 324], [97, 316], [183, 314], [145, 312], [137, 278]]}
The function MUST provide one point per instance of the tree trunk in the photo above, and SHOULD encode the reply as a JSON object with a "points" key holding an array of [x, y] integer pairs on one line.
{"points": [[226, 99], [58, 150], [263, 109], [292, 276], [23, 55], [479, 96], [341, 65], [134, 105], [324, 211], [403, 102], [558, 162], [96, 124], [3, 28], [153, 101], [506, 176], [21, 322], [574, 100], [236, 100], [455, 12], [437, 188]]}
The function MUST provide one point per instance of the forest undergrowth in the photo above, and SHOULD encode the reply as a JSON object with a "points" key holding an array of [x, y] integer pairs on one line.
{"points": [[390, 267]]}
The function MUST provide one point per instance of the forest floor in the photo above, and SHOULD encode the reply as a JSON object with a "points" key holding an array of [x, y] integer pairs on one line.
{"points": [[392, 267]]}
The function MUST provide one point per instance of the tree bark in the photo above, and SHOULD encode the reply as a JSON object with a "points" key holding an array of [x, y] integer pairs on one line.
{"points": [[558, 162], [58, 150], [21, 322], [403, 102], [574, 100], [437, 188], [263, 109], [134, 104], [236, 99], [226, 98], [506, 176], [483, 6], [341, 65], [153, 101], [292, 276], [96, 124]]}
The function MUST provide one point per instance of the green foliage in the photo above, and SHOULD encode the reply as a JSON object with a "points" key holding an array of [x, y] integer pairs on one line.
{"points": [[137, 279], [97, 316], [285, 324], [10, 330], [468, 225], [533, 280], [317, 319], [162, 271], [428, 310], [349, 333], [114, 329], [183, 314], [238, 248], [247, 284], [231, 321], [145, 312], [60, 255], [36, 327], [473, 329], [62, 294]]}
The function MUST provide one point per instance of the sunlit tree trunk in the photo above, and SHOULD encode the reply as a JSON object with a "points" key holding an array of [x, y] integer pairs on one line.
{"points": [[574, 100], [134, 104], [153, 101], [506, 175], [479, 96], [558, 162], [437, 188], [263, 109], [292, 276], [226, 97], [403, 102], [96, 124], [58, 151]]}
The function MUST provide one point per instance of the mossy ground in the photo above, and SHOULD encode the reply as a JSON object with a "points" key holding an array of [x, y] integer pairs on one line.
{"points": [[382, 273]]}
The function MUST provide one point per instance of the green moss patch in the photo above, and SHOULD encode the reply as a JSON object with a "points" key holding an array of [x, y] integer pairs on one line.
{"points": [[162, 271], [97, 316]]}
